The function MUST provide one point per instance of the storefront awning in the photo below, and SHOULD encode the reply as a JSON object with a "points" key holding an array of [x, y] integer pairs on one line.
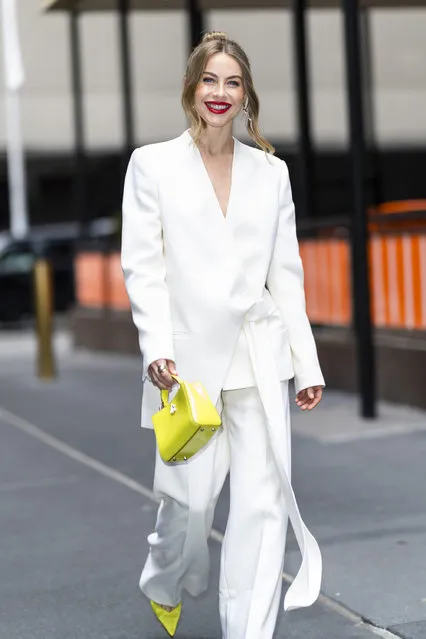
{"points": [[206, 5]]}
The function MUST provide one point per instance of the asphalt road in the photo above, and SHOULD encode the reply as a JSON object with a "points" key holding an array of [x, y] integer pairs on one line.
{"points": [[76, 507]]}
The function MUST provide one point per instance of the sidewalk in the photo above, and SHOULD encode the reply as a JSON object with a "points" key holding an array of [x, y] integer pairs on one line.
{"points": [[76, 506]]}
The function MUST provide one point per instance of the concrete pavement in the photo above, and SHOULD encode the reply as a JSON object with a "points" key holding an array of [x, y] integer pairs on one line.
{"points": [[76, 506]]}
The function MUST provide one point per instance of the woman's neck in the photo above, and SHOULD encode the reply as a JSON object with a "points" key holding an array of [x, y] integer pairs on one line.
{"points": [[217, 141]]}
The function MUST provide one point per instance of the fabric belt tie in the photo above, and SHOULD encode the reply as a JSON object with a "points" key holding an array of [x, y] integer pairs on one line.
{"points": [[305, 587]]}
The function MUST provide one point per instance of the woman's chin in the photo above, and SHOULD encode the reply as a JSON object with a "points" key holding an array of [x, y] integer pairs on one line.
{"points": [[217, 121]]}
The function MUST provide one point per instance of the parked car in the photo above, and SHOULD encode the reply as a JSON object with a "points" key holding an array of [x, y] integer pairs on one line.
{"points": [[17, 256]]}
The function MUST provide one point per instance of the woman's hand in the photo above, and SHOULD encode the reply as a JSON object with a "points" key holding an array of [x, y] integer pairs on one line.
{"points": [[162, 378], [309, 397]]}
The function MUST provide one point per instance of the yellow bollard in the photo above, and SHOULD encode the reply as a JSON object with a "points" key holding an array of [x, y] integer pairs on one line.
{"points": [[43, 294]]}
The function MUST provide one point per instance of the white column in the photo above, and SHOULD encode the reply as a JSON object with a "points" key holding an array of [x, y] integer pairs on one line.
{"points": [[14, 78]]}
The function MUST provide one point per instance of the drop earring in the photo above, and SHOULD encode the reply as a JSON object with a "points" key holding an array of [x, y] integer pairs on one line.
{"points": [[246, 111]]}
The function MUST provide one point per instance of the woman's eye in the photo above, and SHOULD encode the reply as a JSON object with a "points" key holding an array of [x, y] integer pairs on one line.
{"points": [[232, 83]]}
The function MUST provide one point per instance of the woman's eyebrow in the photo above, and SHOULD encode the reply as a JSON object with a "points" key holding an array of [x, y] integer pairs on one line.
{"points": [[215, 76]]}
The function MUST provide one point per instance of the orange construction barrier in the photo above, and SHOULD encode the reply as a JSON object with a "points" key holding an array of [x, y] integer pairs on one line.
{"points": [[117, 294], [90, 279], [398, 206], [327, 280], [397, 277], [398, 280]]}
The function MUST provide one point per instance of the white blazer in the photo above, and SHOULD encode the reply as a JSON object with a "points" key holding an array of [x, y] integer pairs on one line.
{"points": [[196, 279], [192, 274]]}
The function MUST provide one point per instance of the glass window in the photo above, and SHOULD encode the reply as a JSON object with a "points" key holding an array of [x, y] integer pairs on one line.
{"points": [[16, 263]]}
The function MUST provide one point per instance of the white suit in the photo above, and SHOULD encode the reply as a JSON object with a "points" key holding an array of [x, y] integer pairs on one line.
{"points": [[224, 299]]}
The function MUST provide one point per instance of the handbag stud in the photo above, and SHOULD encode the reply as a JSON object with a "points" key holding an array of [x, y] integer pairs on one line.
{"points": [[185, 458], [172, 409]]}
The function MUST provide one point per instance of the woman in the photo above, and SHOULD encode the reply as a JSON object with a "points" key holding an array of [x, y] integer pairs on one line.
{"points": [[212, 269]]}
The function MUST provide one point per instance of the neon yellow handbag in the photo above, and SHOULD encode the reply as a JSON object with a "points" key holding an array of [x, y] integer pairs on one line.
{"points": [[186, 424]]}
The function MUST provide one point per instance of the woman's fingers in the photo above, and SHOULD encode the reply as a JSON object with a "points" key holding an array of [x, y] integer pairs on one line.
{"points": [[162, 379], [158, 382], [154, 378], [171, 366], [308, 398]]}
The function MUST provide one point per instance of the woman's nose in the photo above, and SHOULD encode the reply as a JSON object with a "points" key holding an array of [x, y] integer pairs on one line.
{"points": [[220, 90]]}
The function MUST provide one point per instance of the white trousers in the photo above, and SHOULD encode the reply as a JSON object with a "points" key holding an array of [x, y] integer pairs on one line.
{"points": [[253, 548]]}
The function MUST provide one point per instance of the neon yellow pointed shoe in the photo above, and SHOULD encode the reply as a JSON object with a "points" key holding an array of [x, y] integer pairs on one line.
{"points": [[169, 620]]}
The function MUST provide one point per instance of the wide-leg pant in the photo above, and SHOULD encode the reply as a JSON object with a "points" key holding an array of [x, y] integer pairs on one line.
{"points": [[253, 548]]}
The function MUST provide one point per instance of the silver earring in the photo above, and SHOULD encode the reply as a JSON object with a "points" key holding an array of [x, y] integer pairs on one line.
{"points": [[246, 111]]}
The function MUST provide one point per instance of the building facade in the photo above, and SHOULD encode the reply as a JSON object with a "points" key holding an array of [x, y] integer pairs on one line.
{"points": [[397, 101]]}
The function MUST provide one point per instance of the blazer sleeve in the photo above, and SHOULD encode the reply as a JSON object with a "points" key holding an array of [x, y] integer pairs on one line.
{"points": [[142, 260], [285, 283]]}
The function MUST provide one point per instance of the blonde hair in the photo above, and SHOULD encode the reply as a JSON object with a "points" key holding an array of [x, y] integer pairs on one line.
{"points": [[212, 43]]}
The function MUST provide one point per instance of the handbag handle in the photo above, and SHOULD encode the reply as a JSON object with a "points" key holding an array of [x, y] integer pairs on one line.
{"points": [[165, 391]]}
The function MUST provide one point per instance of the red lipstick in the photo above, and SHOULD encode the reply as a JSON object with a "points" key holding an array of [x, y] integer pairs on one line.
{"points": [[218, 107]]}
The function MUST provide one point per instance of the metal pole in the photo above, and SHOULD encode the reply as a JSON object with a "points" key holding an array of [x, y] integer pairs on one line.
{"points": [[196, 23], [306, 206], [43, 287], [80, 164], [359, 232], [126, 79]]}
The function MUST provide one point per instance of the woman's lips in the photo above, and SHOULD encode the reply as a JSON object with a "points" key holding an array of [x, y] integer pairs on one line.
{"points": [[218, 107]]}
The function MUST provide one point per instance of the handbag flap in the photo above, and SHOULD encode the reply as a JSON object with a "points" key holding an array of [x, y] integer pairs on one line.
{"points": [[201, 408]]}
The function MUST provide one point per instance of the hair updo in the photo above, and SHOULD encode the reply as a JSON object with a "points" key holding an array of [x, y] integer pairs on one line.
{"points": [[214, 35], [218, 42]]}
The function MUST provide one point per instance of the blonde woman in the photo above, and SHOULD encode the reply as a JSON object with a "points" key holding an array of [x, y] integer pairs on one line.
{"points": [[212, 269]]}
